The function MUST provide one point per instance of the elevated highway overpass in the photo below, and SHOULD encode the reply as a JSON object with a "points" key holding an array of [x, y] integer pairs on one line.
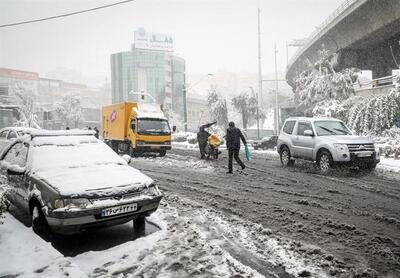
{"points": [[361, 33]]}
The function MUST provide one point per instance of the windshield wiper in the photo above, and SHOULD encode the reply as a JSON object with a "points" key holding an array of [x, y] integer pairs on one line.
{"points": [[341, 130], [327, 129]]}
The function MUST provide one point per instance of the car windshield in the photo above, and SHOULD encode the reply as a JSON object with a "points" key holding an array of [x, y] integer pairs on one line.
{"points": [[153, 126], [331, 128], [60, 152]]}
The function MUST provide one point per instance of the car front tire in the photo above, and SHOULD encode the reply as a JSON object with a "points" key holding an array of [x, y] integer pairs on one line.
{"points": [[285, 157], [163, 153], [324, 161], [39, 223]]}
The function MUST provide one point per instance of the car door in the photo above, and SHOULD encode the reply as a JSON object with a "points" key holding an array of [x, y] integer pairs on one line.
{"points": [[14, 161], [304, 144]]}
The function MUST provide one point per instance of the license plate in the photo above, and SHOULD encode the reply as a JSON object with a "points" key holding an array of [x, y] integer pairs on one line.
{"points": [[118, 210], [154, 147], [364, 154]]}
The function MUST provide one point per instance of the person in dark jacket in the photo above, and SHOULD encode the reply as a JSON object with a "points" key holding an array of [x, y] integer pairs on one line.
{"points": [[97, 132], [233, 137], [202, 138]]}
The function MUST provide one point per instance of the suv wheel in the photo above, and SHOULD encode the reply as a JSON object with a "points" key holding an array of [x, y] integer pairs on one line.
{"points": [[324, 161], [285, 157], [39, 223]]}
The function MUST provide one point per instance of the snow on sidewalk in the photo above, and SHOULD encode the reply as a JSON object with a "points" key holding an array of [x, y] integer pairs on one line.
{"points": [[389, 165], [22, 252]]}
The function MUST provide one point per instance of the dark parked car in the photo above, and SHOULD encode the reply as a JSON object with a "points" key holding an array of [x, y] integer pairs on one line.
{"points": [[268, 142], [69, 181]]}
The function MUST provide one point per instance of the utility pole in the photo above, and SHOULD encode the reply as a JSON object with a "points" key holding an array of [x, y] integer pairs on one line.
{"points": [[259, 98], [276, 96]]}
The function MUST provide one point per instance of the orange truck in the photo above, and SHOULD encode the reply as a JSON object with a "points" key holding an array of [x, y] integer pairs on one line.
{"points": [[136, 128]]}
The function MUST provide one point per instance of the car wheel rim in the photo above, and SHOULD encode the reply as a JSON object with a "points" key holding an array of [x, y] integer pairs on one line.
{"points": [[285, 157], [324, 163]]}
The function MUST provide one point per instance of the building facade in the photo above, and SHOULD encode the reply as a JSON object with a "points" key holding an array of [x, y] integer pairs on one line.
{"points": [[198, 112], [149, 67]]}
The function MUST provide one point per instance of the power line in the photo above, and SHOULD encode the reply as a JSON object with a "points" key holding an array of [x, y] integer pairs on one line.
{"points": [[64, 15]]}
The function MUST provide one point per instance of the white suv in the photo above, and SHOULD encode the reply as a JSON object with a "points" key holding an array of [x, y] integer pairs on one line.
{"points": [[325, 141]]}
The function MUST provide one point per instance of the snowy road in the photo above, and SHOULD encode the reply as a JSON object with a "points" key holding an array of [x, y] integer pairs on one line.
{"points": [[264, 222], [338, 224]]}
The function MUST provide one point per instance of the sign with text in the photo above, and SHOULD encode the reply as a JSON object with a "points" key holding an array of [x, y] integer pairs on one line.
{"points": [[153, 41]]}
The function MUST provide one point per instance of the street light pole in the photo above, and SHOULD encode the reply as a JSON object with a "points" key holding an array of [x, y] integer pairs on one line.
{"points": [[258, 113], [259, 62], [276, 96]]}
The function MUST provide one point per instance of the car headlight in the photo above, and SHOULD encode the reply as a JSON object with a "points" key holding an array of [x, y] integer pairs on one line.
{"points": [[72, 203], [341, 147], [152, 190], [58, 203]]}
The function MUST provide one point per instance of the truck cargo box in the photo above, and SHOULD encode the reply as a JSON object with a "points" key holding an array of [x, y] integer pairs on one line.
{"points": [[115, 120]]}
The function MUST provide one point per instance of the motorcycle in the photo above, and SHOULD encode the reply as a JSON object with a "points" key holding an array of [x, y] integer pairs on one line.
{"points": [[212, 148]]}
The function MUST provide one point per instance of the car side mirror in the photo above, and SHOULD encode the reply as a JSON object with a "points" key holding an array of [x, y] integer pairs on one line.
{"points": [[308, 133], [14, 172], [174, 128]]}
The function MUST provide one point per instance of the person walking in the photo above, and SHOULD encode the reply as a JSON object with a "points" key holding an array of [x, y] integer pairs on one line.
{"points": [[202, 138], [233, 137]]}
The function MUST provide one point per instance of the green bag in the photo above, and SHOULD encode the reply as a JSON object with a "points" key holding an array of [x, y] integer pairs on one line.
{"points": [[248, 154]]}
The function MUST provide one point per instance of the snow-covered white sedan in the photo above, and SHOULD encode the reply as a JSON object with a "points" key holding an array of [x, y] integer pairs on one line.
{"points": [[9, 134], [69, 181]]}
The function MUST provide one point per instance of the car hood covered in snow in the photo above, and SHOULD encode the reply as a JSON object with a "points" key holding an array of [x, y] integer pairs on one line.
{"points": [[96, 180], [83, 166]]}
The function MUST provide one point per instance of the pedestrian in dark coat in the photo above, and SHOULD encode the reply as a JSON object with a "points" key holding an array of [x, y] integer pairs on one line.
{"points": [[97, 132], [233, 137], [202, 138]]}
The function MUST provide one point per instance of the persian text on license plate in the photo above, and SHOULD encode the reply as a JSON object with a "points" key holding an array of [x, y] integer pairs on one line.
{"points": [[364, 154], [118, 210]]}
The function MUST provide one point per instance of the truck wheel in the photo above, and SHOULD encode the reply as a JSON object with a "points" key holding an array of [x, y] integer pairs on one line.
{"points": [[114, 146], [163, 153], [324, 161], [39, 223], [285, 157], [133, 152]]}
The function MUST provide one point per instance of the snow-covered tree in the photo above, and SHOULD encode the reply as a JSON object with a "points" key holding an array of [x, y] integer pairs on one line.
{"points": [[218, 107], [175, 120], [247, 107], [322, 83], [70, 111], [25, 98], [374, 115]]}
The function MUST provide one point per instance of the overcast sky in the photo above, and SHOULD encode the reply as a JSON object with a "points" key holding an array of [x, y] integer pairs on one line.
{"points": [[211, 35]]}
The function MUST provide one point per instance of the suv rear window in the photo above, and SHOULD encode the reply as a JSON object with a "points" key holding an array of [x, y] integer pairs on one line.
{"points": [[288, 127]]}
